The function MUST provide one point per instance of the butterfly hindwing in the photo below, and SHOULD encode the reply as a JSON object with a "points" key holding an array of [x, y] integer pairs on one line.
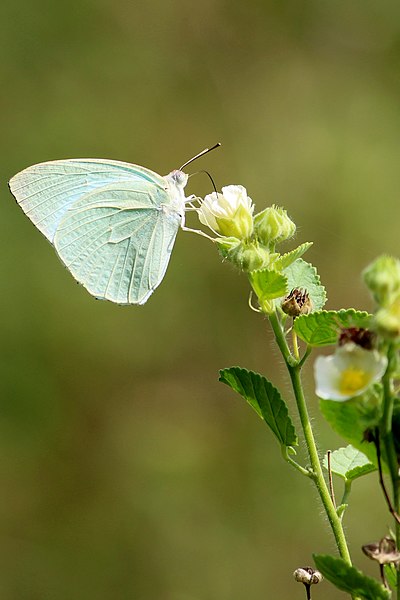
{"points": [[117, 240]]}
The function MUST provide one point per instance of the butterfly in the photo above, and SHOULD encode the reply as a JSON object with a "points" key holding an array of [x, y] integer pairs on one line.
{"points": [[113, 224]]}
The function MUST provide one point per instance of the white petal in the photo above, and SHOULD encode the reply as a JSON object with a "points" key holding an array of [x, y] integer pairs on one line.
{"points": [[328, 370]]}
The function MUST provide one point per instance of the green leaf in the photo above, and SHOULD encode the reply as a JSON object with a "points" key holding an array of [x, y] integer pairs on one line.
{"points": [[268, 284], [285, 260], [349, 463], [265, 399], [352, 418], [302, 274], [349, 579], [322, 328]]}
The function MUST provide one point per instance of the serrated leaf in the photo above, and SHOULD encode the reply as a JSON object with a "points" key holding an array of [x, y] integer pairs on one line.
{"points": [[352, 418], [349, 463], [268, 284], [302, 274], [349, 579], [265, 399], [322, 328], [287, 259]]}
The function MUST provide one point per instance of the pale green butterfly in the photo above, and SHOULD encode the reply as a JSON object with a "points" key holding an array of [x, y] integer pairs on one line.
{"points": [[113, 224]]}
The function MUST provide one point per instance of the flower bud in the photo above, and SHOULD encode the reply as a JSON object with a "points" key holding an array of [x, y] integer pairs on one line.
{"points": [[273, 225], [229, 214], [383, 279], [247, 256], [387, 320]]}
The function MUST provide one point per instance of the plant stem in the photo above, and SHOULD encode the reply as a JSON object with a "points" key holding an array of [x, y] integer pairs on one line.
{"points": [[331, 490], [334, 520], [345, 498], [318, 477], [387, 436], [294, 463]]}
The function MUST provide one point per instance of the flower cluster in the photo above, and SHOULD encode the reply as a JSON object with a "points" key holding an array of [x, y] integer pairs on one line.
{"points": [[247, 241], [356, 364], [356, 383]]}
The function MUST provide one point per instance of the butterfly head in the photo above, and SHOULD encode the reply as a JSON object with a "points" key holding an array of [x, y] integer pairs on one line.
{"points": [[179, 178]]}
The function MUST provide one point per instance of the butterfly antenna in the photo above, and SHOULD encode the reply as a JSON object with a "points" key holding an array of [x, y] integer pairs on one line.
{"points": [[207, 173], [206, 151]]}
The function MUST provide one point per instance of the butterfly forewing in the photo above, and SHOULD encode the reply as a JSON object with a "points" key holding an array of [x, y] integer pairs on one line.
{"points": [[47, 190], [117, 240], [112, 223]]}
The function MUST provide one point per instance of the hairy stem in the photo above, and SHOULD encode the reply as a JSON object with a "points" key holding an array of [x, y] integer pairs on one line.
{"points": [[388, 441], [345, 498], [317, 474]]}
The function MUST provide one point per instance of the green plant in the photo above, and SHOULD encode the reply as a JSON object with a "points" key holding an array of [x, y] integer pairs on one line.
{"points": [[356, 384]]}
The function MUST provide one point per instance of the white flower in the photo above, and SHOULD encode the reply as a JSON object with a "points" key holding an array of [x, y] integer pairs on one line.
{"points": [[229, 214], [347, 373]]}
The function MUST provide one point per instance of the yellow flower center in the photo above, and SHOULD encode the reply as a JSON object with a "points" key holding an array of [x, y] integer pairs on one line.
{"points": [[352, 380]]}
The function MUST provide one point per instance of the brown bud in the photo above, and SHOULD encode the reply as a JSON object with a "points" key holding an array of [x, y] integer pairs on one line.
{"points": [[297, 303], [358, 335]]}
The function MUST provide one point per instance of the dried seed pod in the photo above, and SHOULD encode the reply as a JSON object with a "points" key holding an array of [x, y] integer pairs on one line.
{"points": [[297, 303], [307, 575], [383, 552]]}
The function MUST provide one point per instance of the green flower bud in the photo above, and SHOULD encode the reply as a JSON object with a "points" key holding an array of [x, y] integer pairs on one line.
{"points": [[273, 225], [229, 214], [387, 320], [247, 256], [383, 279]]}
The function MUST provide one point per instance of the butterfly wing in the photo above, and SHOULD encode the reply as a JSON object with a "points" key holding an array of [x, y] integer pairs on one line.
{"points": [[111, 223], [117, 240], [47, 190]]}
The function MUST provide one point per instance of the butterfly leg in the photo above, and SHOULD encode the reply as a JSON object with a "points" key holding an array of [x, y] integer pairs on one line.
{"points": [[199, 232], [190, 200]]}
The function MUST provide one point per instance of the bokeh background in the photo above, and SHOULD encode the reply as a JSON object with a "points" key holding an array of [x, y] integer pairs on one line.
{"points": [[127, 471]]}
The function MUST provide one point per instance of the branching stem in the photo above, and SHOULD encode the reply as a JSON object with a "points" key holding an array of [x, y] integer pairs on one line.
{"points": [[294, 463], [332, 492], [323, 490], [345, 498]]}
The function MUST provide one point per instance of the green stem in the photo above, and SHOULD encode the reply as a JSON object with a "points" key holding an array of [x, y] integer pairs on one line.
{"points": [[305, 356], [345, 498], [388, 441], [294, 463], [317, 474], [334, 520], [295, 346]]}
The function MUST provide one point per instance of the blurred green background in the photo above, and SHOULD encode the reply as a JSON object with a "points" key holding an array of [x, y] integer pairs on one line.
{"points": [[127, 470]]}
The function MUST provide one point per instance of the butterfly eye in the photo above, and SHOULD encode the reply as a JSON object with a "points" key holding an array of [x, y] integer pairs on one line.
{"points": [[180, 178]]}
